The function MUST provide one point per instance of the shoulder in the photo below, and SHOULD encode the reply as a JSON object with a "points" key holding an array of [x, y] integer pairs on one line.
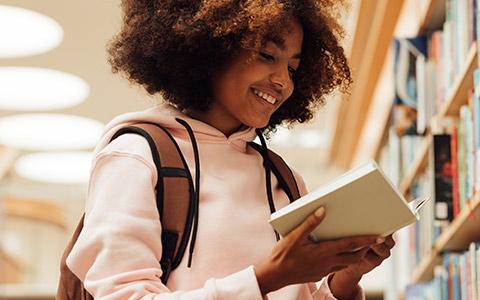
{"points": [[302, 188], [127, 154], [129, 144]]}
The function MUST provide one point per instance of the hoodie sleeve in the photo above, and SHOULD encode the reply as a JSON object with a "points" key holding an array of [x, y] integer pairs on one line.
{"points": [[323, 292], [118, 251]]}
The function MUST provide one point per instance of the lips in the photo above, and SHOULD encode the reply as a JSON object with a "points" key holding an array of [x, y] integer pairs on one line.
{"points": [[267, 95]]}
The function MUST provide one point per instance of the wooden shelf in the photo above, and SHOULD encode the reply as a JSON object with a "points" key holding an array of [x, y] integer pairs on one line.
{"points": [[459, 92], [433, 16], [35, 209], [372, 41], [350, 136], [418, 165], [463, 230], [424, 271], [28, 291]]}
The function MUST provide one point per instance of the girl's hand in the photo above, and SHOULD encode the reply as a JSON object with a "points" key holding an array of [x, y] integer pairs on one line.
{"points": [[296, 259], [373, 258], [344, 283]]}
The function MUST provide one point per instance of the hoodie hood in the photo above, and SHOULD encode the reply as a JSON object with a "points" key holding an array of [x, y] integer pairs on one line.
{"points": [[165, 115]]}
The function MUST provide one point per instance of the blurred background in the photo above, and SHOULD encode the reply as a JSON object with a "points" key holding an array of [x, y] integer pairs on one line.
{"points": [[57, 93]]}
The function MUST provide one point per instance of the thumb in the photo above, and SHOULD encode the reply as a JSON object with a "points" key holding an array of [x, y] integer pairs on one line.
{"points": [[310, 223]]}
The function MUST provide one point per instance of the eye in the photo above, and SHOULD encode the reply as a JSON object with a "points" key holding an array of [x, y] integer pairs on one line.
{"points": [[292, 72], [266, 56]]}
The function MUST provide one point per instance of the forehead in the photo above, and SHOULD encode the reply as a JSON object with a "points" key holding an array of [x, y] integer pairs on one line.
{"points": [[289, 39]]}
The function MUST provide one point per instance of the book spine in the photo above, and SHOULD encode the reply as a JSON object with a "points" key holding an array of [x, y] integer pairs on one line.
{"points": [[476, 129], [469, 153], [420, 66], [468, 278], [443, 177], [462, 160], [455, 195], [437, 56], [471, 22], [473, 271]]}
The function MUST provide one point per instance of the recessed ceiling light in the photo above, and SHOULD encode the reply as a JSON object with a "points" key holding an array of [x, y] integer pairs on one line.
{"points": [[45, 132], [55, 167], [25, 32], [27, 89]]}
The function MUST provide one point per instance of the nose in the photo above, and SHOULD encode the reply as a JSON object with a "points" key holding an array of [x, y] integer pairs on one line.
{"points": [[280, 78]]}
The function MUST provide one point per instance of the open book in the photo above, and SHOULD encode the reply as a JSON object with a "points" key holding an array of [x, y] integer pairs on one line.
{"points": [[362, 201]]}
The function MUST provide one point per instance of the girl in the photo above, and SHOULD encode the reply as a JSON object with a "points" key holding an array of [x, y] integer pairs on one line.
{"points": [[224, 69]]}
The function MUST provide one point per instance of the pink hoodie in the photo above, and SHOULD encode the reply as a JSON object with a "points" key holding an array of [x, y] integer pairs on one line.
{"points": [[118, 252]]}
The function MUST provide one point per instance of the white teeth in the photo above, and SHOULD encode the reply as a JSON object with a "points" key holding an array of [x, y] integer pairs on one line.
{"points": [[265, 96]]}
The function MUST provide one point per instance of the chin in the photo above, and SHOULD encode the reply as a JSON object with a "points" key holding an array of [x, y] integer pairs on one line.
{"points": [[257, 123]]}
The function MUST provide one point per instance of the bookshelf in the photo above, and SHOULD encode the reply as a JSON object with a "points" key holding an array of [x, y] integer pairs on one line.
{"points": [[456, 98], [422, 18], [459, 234]]}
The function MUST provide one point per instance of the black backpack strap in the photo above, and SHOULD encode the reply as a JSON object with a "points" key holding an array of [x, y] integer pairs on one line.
{"points": [[174, 192], [282, 172]]}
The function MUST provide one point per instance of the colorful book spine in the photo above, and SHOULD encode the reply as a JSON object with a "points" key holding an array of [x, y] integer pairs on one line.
{"points": [[443, 177], [455, 194], [469, 153]]}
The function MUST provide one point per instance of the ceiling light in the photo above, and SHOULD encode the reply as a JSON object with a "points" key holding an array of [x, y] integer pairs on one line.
{"points": [[312, 139], [45, 132], [27, 89], [55, 167], [24, 32]]}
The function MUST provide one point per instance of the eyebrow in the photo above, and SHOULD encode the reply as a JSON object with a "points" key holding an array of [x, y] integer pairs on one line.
{"points": [[281, 45]]}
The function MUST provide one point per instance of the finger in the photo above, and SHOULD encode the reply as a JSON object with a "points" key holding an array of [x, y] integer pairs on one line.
{"points": [[350, 257], [351, 244], [304, 229], [379, 249], [389, 241], [337, 268], [375, 259]]}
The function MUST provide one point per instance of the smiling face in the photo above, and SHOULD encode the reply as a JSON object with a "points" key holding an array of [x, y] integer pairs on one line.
{"points": [[250, 89]]}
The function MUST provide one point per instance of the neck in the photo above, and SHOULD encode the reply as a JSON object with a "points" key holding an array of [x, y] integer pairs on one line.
{"points": [[227, 127]]}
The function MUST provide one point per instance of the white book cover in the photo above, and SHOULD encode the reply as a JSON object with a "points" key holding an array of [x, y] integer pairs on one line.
{"points": [[360, 202]]}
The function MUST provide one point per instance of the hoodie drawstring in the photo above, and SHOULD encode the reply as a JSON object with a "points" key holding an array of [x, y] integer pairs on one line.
{"points": [[196, 190], [267, 167]]}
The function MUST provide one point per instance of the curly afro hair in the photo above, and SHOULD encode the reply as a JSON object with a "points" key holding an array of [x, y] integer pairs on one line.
{"points": [[174, 47]]}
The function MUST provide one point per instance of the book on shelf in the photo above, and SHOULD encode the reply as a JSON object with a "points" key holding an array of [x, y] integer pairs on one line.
{"points": [[453, 151], [457, 277], [443, 192], [439, 83], [476, 126], [362, 201], [409, 75]]}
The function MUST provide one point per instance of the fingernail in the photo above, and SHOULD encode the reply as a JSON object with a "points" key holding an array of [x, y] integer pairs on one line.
{"points": [[319, 212], [380, 240]]}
